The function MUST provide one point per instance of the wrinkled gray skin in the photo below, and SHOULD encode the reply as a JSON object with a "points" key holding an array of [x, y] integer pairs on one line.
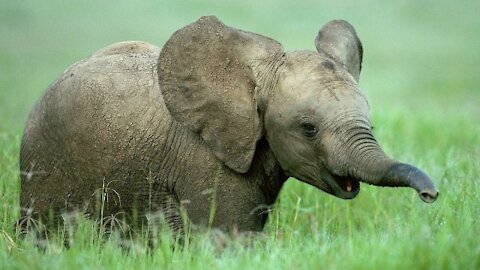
{"points": [[217, 119]]}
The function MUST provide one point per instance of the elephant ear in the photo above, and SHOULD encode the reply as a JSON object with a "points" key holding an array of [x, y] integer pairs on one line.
{"points": [[338, 40], [207, 79]]}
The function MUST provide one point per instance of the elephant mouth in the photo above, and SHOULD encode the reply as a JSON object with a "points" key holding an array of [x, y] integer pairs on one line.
{"points": [[344, 187]]}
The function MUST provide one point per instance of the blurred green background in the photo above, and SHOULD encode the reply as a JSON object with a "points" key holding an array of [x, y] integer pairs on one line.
{"points": [[421, 74], [419, 55]]}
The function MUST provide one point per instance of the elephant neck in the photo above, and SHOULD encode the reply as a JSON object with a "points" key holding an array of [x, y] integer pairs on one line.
{"points": [[265, 72], [266, 167]]}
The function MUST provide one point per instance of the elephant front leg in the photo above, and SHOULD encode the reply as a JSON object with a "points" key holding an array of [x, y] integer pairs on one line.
{"points": [[165, 209], [229, 207]]}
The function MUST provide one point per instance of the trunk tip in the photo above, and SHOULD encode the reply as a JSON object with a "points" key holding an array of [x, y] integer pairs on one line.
{"points": [[429, 196], [402, 174]]}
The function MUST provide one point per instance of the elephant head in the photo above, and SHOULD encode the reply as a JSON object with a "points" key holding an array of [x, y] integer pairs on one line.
{"points": [[234, 87]]}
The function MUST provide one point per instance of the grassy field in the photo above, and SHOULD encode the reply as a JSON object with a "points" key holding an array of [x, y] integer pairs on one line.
{"points": [[421, 74]]}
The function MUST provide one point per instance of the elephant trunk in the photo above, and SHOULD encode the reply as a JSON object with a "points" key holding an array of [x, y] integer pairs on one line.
{"points": [[371, 165], [402, 174]]}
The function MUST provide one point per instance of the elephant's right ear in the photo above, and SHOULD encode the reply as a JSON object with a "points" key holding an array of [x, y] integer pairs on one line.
{"points": [[207, 77], [338, 40]]}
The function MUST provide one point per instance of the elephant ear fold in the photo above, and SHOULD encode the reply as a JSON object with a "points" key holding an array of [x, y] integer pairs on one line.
{"points": [[338, 40], [208, 84]]}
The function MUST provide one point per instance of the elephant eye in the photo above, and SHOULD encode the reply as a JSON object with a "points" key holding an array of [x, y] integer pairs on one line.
{"points": [[308, 130]]}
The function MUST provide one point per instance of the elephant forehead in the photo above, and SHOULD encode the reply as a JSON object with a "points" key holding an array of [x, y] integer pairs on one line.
{"points": [[322, 110], [308, 73], [312, 84], [315, 91], [314, 63]]}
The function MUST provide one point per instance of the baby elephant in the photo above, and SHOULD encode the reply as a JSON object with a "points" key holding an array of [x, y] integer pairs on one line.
{"points": [[210, 125]]}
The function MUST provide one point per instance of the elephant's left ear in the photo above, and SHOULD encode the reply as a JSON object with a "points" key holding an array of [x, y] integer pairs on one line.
{"points": [[207, 77], [338, 40]]}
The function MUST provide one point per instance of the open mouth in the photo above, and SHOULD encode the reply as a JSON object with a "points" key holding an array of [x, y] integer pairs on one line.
{"points": [[345, 187], [347, 184]]}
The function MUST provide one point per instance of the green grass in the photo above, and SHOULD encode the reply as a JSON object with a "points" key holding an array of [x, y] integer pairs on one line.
{"points": [[420, 73]]}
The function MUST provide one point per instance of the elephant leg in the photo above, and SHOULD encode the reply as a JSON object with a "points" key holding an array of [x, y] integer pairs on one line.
{"points": [[233, 205], [161, 208], [170, 209]]}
